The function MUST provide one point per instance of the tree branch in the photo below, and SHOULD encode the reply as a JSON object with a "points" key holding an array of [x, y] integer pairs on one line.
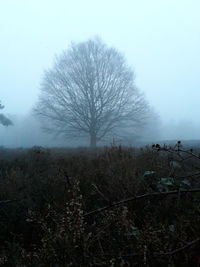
{"points": [[154, 194]]}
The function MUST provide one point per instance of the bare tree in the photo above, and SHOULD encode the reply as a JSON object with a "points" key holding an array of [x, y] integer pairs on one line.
{"points": [[3, 119], [90, 91]]}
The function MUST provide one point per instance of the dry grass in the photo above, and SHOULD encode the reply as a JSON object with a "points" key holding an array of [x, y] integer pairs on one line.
{"points": [[52, 191]]}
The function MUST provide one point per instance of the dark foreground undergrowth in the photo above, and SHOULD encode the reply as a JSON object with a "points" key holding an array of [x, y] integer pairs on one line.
{"points": [[115, 206]]}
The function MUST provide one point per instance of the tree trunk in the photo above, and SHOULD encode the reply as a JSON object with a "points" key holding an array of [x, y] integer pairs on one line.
{"points": [[93, 140]]}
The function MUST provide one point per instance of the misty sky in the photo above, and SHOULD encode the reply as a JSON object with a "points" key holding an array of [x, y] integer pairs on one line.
{"points": [[160, 39]]}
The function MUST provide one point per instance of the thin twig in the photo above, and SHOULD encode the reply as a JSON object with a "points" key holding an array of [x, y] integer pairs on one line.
{"points": [[154, 194], [2, 202], [172, 150], [100, 193], [188, 176], [172, 252], [168, 253]]}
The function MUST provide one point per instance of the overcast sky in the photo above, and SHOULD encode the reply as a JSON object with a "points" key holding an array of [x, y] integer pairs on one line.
{"points": [[160, 39]]}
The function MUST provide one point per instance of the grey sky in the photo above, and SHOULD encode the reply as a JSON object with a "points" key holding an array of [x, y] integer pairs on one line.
{"points": [[160, 39]]}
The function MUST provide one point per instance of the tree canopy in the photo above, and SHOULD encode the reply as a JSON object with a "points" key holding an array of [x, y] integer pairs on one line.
{"points": [[90, 91], [3, 119]]}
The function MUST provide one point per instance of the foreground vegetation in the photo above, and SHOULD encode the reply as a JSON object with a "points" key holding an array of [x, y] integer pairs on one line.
{"points": [[115, 206]]}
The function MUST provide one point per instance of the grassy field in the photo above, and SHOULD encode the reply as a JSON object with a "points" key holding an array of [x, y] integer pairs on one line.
{"points": [[115, 206]]}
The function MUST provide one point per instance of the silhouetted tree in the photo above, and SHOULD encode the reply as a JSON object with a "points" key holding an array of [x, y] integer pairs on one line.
{"points": [[90, 91], [3, 119]]}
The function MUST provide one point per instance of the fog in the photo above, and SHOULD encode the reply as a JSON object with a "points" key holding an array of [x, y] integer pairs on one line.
{"points": [[160, 40]]}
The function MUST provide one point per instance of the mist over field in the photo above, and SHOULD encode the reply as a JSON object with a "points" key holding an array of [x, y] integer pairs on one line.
{"points": [[159, 40], [27, 132], [99, 133]]}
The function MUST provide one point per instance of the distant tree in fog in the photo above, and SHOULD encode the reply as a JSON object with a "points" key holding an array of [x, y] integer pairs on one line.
{"points": [[3, 119], [90, 91]]}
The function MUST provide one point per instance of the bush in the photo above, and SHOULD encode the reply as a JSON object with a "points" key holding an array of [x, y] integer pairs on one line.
{"points": [[116, 206]]}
